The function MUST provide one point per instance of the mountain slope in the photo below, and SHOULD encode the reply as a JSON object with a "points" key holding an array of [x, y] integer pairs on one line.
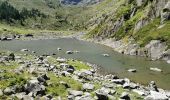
{"points": [[134, 24]]}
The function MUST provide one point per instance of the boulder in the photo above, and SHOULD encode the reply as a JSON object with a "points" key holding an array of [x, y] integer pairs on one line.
{"points": [[11, 56], [88, 86], [61, 60], [20, 95], [155, 69], [109, 85], [132, 70], [118, 81], [168, 61], [140, 92], [29, 35], [59, 49], [125, 96], [155, 49], [102, 95], [69, 52], [106, 55], [156, 96], [35, 88], [8, 91], [24, 50], [75, 93], [43, 78], [26, 97], [153, 87]]}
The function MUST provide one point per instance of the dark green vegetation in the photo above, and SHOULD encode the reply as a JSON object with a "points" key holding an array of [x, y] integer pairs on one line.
{"points": [[42, 14]]}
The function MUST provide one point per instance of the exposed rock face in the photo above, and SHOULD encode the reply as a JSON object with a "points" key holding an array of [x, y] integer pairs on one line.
{"points": [[140, 2], [141, 23], [155, 49], [165, 15]]}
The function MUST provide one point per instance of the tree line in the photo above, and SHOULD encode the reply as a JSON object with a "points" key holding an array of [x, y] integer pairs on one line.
{"points": [[9, 13]]}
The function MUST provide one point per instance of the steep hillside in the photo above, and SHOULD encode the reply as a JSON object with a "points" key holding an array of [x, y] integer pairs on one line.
{"points": [[134, 23]]}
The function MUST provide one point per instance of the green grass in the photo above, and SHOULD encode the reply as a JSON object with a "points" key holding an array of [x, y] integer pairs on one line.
{"points": [[57, 89], [78, 65], [12, 79], [152, 32]]}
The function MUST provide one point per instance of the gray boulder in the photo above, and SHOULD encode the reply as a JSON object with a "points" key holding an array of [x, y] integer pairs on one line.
{"points": [[35, 88], [26, 97], [102, 95], [155, 49], [118, 81], [75, 93], [132, 70], [8, 91], [153, 87], [125, 96], [88, 86], [156, 96]]}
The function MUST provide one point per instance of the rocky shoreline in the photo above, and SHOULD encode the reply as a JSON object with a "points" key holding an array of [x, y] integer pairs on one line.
{"points": [[48, 78], [155, 50]]}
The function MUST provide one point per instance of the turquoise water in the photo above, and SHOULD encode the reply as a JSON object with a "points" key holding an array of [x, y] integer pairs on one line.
{"points": [[91, 52]]}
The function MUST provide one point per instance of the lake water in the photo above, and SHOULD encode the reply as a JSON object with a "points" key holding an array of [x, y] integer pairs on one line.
{"points": [[90, 52]]}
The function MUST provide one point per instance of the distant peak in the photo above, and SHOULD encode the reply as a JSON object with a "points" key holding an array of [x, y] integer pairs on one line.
{"points": [[79, 2]]}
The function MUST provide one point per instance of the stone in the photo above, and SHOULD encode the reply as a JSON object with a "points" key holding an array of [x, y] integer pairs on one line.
{"points": [[11, 56], [132, 70], [109, 85], [35, 88], [8, 91], [155, 49], [75, 93], [106, 55], [88, 86], [59, 49], [20, 95], [118, 81], [61, 60], [125, 96], [140, 92], [156, 96], [24, 50], [101, 95], [1, 92], [155, 69], [153, 87], [69, 52], [26, 97], [65, 84], [168, 61], [29, 35]]}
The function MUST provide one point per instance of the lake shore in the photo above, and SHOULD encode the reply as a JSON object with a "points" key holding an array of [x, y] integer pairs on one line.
{"points": [[76, 78]]}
